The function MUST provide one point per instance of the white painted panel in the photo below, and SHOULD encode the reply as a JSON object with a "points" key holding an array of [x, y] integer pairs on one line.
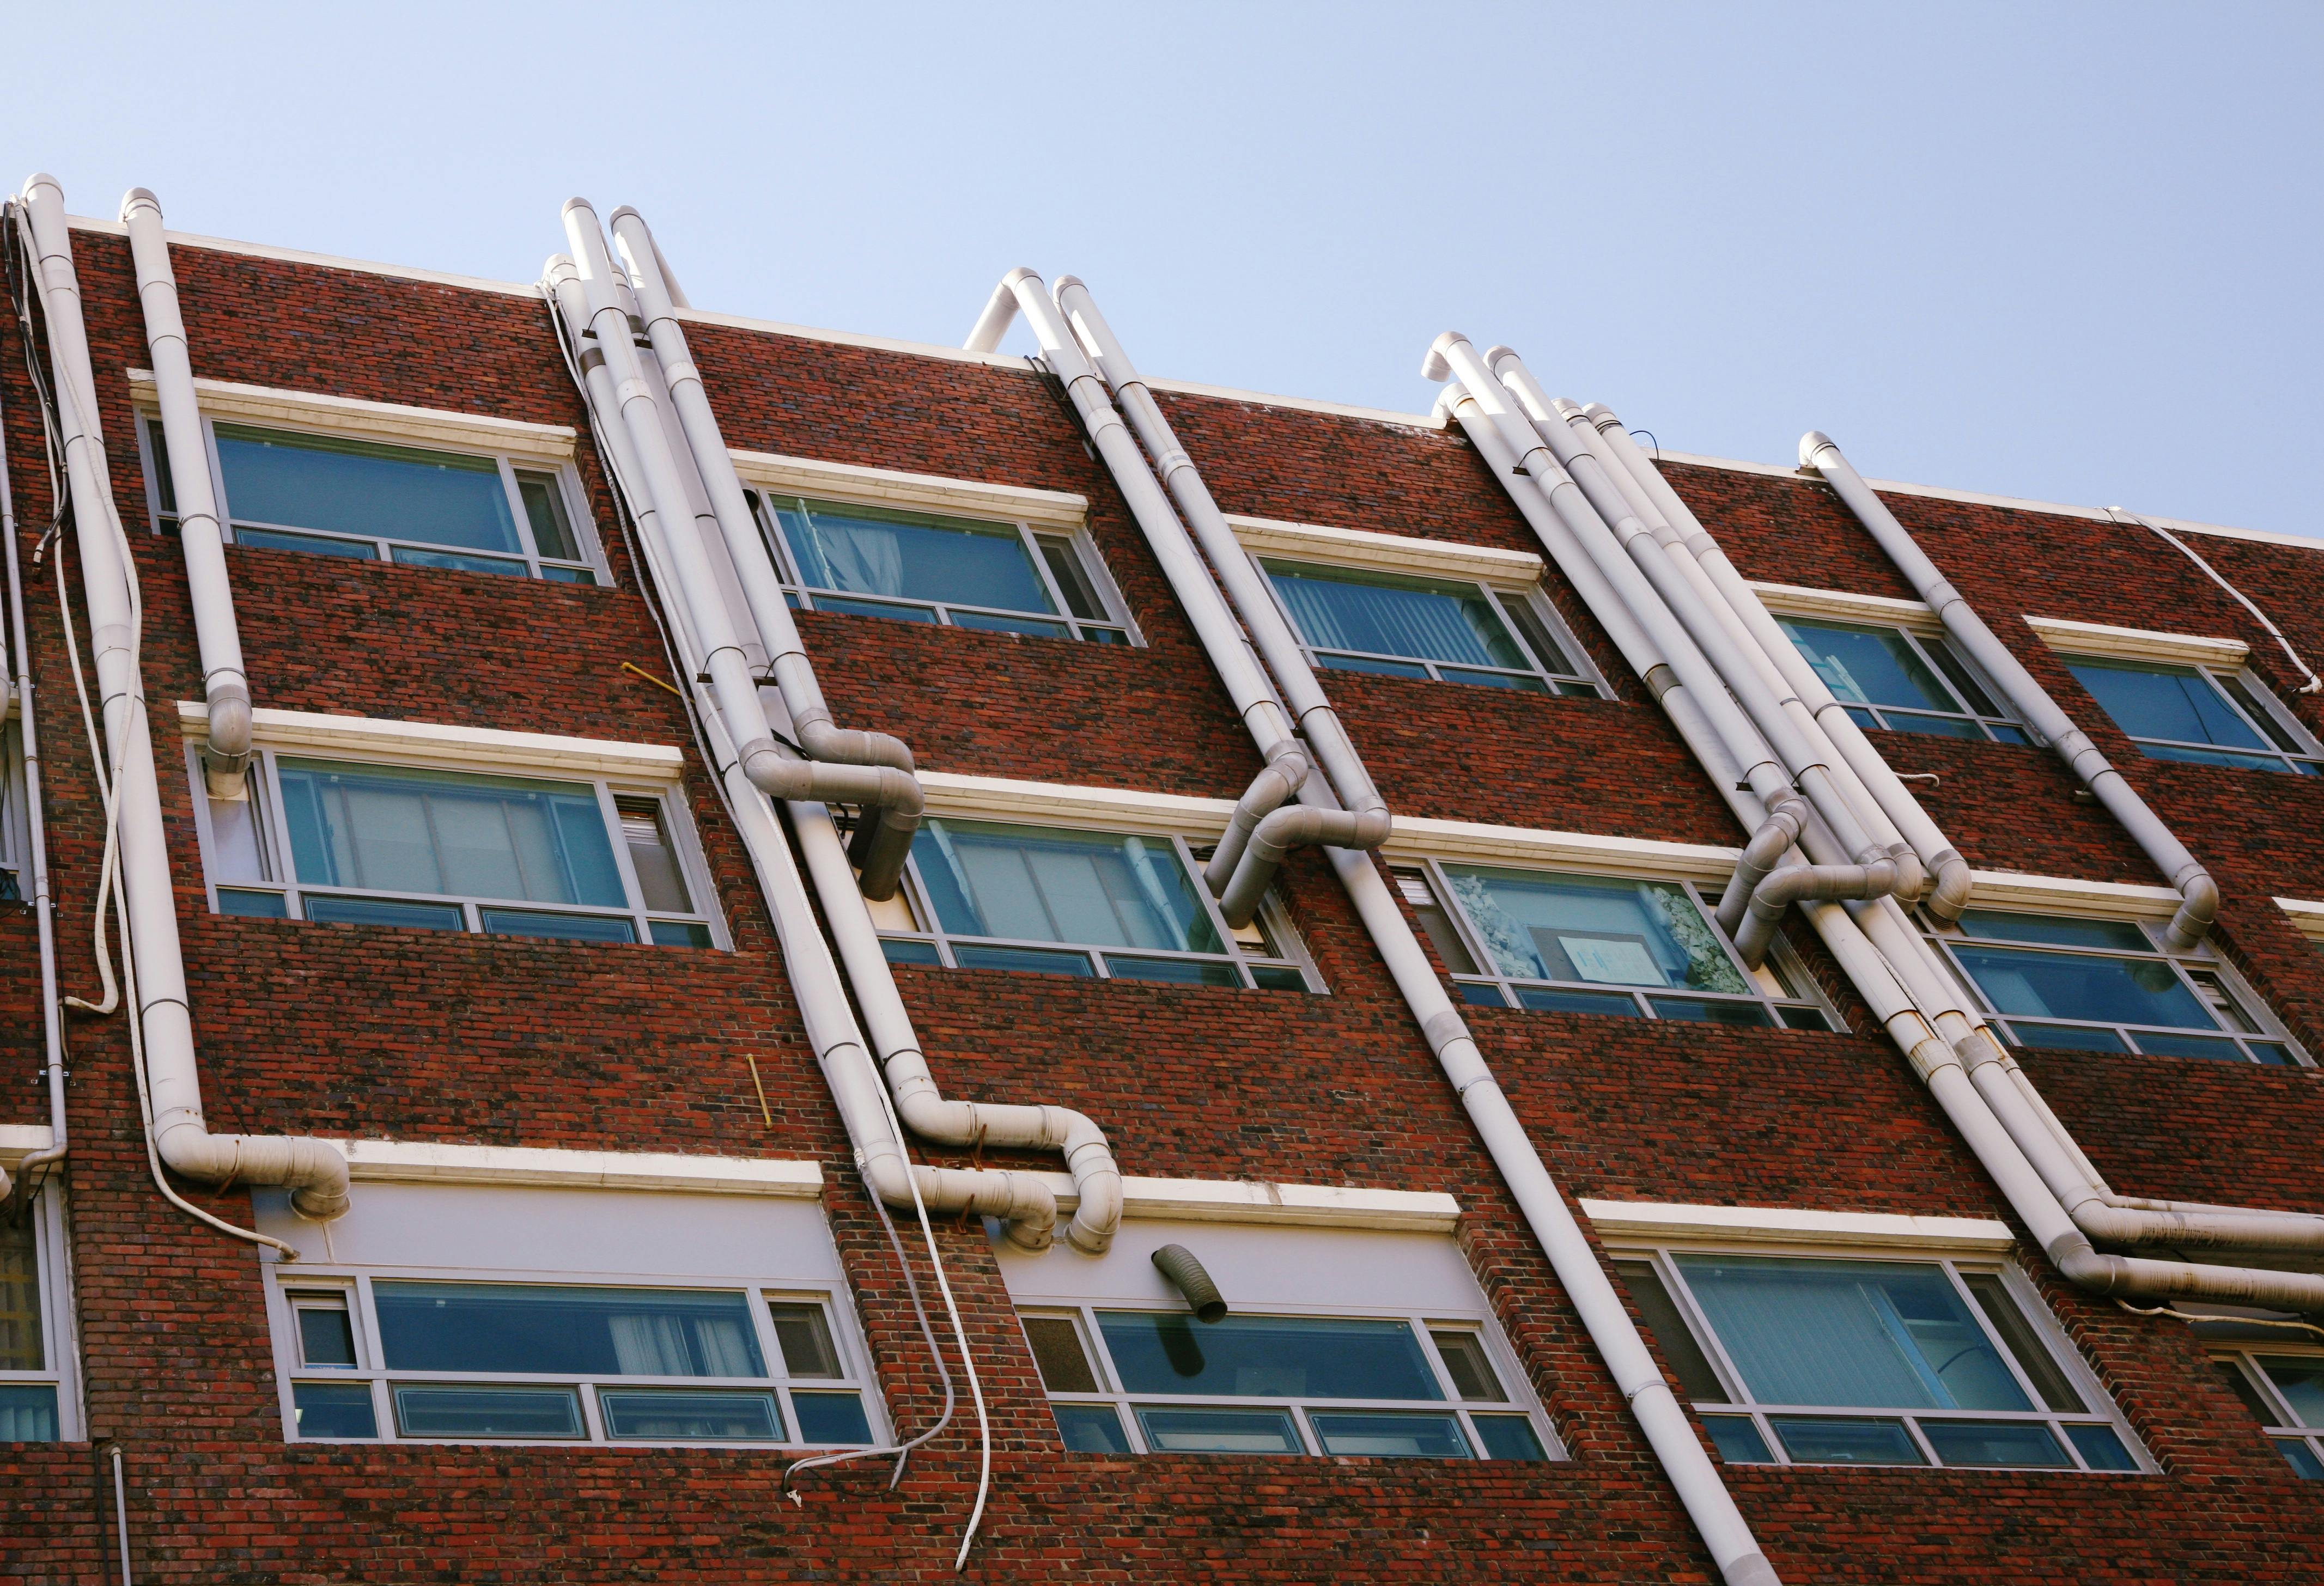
{"points": [[1257, 1268], [512, 1228]]}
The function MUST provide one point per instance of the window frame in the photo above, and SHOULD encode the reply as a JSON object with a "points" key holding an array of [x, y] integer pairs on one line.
{"points": [[286, 1287], [264, 789], [2282, 1427], [60, 1338], [2306, 761], [2000, 727], [1583, 684], [15, 814], [590, 561], [1273, 923], [2185, 965], [1508, 1369], [1487, 986], [1117, 622], [2020, 1290]]}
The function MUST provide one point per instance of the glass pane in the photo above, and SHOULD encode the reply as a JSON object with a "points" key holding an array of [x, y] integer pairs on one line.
{"points": [[1737, 1438], [1509, 1437], [896, 952], [544, 510], [2101, 1448], [1106, 636], [20, 1348], [874, 608], [326, 1335], [1450, 949], [1535, 634], [237, 845], [165, 487], [1933, 726], [1065, 568], [1819, 1440], [1385, 614], [354, 550], [397, 829], [1463, 1354], [1386, 669], [2177, 703], [1696, 1379], [361, 487], [1188, 1431], [2115, 990], [2246, 692], [1549, 1001], [2216, 1047], [488, 1412], [868, 551], [2073, 1037], [1563, 927], [2241, 1386], [1277, 979], [557, 927], [990, 623], [555, 574], [678, 933], [2054, 930], [1057, 1351], [2009, 735], [831, 1419], [1686, 1009], [2300, 1381], [2301, 1456], [1290, 1357], [1091, 1428], [1025, 961], [377, 911], [457, 562], [333, 1409], [1803, 1018], [1043, 884], [1389, 1435], [2275, 1054], [1178, 971], [252, 905], [1491, 996], [1875, 1333], [804, 1335], [690, 1416], [1522, 682], [1957, 673], [2018, 1445], [551, 1328], [2040, 1366], [1868, 666]]}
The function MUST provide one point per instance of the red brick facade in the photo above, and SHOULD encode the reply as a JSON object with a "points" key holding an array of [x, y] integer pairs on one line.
{"points": [[361, 1031]]}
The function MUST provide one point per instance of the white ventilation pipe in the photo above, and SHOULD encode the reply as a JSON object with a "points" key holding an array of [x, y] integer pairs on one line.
{"points": [[1023, 1201], [225, 684], [1989, 1098], [1695, 1478], [2187, 876], [313, 1169], [886, 835]]}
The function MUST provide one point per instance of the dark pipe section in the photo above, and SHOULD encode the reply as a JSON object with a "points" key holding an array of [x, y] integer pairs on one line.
{"points": [[1185, 1273]]}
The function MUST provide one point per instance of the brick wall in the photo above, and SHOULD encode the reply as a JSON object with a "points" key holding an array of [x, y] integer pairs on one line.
{"points": [[376, 1032]]}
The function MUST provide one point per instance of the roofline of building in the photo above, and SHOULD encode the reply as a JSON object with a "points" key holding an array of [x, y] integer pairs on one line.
{"points": [[1185, 387]]}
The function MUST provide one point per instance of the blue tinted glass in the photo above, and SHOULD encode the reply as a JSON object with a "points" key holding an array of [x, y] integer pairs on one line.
{"points": [[2021, 1444], [2303, 1458], [686, 1416], [488, 1412], [908, 951], [1091, 1428], [678, 933], [557, 927], [1033, 626], [1870, 665], [2054, 930], [1689, 1011], [2058, 985], [357, 487], [333, 1409], [381, 911], [2217, 1047], [354, 550], [549, 1328], [1737, 1438], [392, 829], [2164, 701], [1041, 884], [1934, 726], [1593, 928], [1612, 1003], [28, 1412], [1176, 972], [2226, 757], [1293, 1357], [459, 563], [1386, 669], [1427, 619], [831, 1418], [1886, 1334], [2301, 1383], [1509, 1437], [2100, 1448], [1818, 1441], [2074, 1037], [252, 905], [863, 550], [1184, 1431], [1026, 960], [1390, 1436]]}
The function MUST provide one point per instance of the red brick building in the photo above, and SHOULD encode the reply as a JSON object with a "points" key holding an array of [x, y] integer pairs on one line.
{"points": [[497, 913]]}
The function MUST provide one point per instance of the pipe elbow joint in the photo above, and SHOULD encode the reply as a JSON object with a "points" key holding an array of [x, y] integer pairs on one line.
{"points": [[2198, 907], [1437, 364], [1954, 884], [1813, 445]]}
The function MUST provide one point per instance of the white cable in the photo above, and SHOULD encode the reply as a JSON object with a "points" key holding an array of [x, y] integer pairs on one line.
{"points": [[2315, 684]]}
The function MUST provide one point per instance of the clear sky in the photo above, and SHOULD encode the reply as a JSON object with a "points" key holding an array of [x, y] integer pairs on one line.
{"points": [[2061, 250]]}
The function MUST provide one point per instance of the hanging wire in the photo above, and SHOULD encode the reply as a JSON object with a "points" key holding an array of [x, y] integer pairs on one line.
{"points": [[2235, 1321], [2315, 684]]}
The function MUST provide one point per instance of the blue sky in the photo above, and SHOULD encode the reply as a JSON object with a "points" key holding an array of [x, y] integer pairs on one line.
{"points": [[2061, 250]]}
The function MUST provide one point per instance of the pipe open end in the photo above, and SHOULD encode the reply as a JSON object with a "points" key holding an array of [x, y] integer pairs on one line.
{"points": [[1497, 354], [41, 179], [140, 197], [1022, 272], [1064, 282], [1812, 442], [1186, 1273], [1436, 365], [581, 204], [561, 267], [626, 212]]}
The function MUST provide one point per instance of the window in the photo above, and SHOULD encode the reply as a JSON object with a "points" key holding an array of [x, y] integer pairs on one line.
{"points": [[1901, 681], [363, 844], [1450, 630], [1052, 900], [1815, 1362], [331, 495], [1584, 943], [35, 1402], [410, 1330], [15, 832], [919, 567], [2198, 714], [2284, 1391], [2103, 985]]}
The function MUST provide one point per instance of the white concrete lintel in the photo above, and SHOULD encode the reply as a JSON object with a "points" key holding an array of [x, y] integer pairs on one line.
{"points": [[1300, 1205], [1395, 553], [1657, 1220], [927, 491], [20, 1140], [433, 742], [440, 1162], [388, 421], [2100, 639]]}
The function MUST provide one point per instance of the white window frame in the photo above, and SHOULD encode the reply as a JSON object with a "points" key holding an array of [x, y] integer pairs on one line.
{"points": [[2302, 756], [910, 917], [1940, 656], [275, 852], [590, 563], [1582, 684], [353, 1285], [2192, 967], [1117, 623], [2020, 1290], [1506, 1369], [15, 817], [2281, 1426], [1487, 986], [60, 1338]]}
